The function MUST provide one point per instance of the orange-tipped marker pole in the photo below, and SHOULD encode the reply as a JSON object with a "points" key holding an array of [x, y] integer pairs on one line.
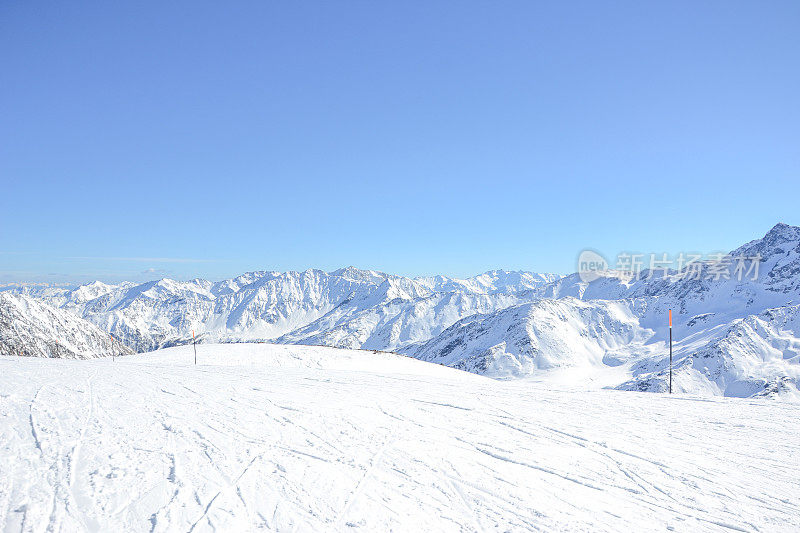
{"points": [[194, 345], [670, 351]]}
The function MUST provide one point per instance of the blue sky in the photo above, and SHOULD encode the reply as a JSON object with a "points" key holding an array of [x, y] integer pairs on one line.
{"points": [[183, 139]]}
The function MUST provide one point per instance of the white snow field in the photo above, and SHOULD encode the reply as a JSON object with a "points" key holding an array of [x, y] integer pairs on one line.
{"points": [[298, 438]]}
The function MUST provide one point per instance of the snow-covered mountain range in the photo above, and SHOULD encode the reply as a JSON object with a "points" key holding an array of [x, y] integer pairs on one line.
{"points": [[348, 308], [736, 337]]}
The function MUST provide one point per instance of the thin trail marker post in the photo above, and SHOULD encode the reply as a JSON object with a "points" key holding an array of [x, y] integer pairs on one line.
{"points": [[670, 351], [194, 345]]}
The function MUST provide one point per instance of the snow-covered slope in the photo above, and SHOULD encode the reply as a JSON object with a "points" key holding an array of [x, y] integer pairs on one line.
{"points": [[348, 307], [546, 334], [32, 328], [293, 438]]}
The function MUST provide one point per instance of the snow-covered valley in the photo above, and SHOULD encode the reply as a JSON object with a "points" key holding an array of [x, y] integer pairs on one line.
{"points": [[321, 439]]}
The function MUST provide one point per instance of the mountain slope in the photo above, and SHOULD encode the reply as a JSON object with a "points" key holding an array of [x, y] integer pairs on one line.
{"points": [[31, 328], [542, 335]]}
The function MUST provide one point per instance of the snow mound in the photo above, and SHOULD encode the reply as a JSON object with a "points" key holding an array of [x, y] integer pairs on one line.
{"points": [[283, 356]]}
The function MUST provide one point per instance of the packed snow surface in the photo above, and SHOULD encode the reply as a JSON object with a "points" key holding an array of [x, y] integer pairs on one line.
{"points": [[298, 438]]}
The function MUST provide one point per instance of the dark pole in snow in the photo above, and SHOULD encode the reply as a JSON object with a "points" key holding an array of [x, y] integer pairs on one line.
{"points": [[670, 351], [194, 345]]}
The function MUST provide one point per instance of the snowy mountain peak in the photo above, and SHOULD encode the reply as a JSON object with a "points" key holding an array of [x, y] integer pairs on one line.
{"points": [[779, 251], [778, 240], [356, 274], [784, 230], [90, 291]]}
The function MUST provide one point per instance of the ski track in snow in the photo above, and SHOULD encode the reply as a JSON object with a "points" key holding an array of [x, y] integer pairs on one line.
{"points": [[317, 439]]}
